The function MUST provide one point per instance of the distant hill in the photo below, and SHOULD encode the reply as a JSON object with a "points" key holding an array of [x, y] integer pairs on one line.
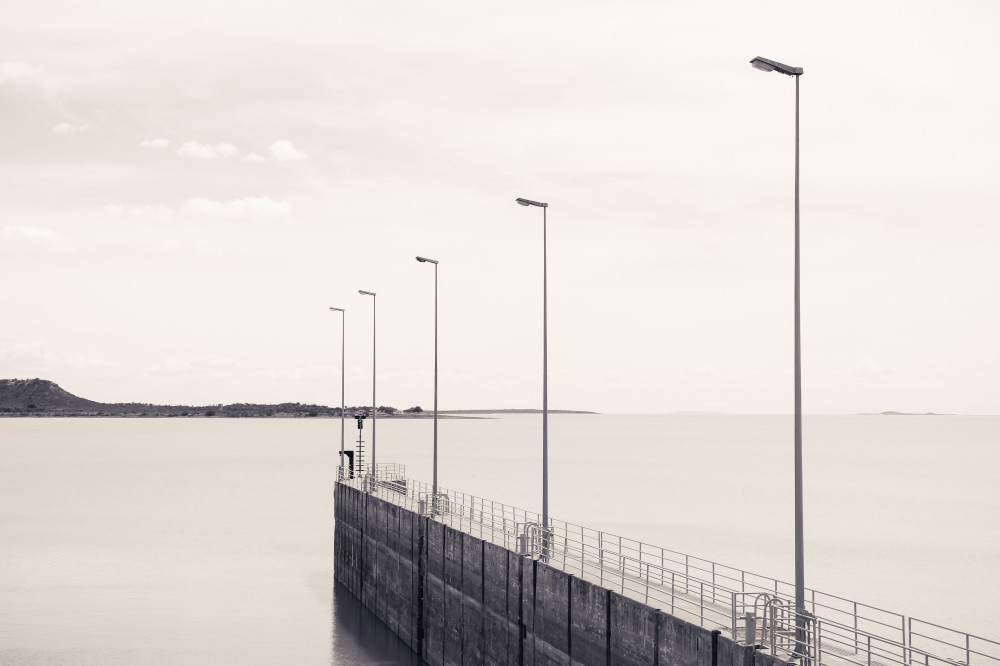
{"points": [[41, 397], [25, 394]]}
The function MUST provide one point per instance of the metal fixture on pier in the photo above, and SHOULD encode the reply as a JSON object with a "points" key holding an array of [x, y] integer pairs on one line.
{"points": [[545, 375], [343, 331], [374, 405], [766, 65], [434, 261]]}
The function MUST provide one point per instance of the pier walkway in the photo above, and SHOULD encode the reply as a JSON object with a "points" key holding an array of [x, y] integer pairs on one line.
{"points": [[748, 608]]}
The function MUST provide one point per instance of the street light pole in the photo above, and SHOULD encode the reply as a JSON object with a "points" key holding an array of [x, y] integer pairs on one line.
{"points": [[766, 65], [545, 375], [374, 407], [434, 492], [343, 329]]}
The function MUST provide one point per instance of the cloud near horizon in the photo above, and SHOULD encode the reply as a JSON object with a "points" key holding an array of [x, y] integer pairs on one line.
{"points": [[155, 143], [250, 209], [16, 72], [25, 238], [68, 128], [285, 151], [261, 209], [206, 151]]}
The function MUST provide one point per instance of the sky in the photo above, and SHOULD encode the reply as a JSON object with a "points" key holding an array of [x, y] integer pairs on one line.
{"points": [[187, 187]]}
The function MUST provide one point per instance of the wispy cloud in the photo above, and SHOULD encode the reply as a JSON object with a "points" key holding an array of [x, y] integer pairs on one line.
{"points": [[16, 72], [866, 370], [249, 209], [150, 213], [261, 209], [200, 364], [29, 353], [68, 128], [23, 238], [36, 356], [285, 151], [155, 143], [206, 151], [254, 157]]}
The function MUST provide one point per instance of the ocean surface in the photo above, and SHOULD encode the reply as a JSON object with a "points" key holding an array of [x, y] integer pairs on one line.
{"points": [[203, 541]]}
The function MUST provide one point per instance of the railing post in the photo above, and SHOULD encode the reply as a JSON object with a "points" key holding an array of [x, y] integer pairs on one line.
{"points": [[819, 646], [907, 639], [733, 618], [701, 604], [855, 627], [671, 592], [647, 584]]}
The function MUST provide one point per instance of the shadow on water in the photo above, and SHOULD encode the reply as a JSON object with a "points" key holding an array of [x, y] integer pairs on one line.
{"points": [[361, 639]]}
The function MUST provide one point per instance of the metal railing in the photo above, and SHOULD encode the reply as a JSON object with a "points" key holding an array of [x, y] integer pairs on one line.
{"points": [[748, 607]]}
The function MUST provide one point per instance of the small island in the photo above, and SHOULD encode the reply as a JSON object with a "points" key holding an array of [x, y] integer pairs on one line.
{"points": [[906, 414]]}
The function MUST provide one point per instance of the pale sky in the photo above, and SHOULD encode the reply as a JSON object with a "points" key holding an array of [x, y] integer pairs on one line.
{"points": [[188, 186]]}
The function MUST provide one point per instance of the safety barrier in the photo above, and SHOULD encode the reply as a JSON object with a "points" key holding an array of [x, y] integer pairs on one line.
{"points": [[752, 609]]}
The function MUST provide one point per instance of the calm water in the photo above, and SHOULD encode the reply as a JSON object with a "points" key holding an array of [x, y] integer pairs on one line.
{"points": [[165, 541]]}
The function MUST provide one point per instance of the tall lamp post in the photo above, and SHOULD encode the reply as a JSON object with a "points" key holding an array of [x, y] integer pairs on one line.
{"points": [[374, 407], [343, 317], [545, 377], [766, 65], [434, 492]]}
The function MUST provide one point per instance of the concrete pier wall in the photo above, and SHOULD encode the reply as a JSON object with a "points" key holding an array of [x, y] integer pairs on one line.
{"points": [[459, 601]]}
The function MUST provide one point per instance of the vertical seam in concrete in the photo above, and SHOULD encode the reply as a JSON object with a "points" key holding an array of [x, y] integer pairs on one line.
{"points": [[607, 627], [364, 526], [569, 617], [534, 605], [482, 600], [656, 638], [461, 587], [444, 590], [506, 602], [715, 647], [521, 629], [421, 568]]}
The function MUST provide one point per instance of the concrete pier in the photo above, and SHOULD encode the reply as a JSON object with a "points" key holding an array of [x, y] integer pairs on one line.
{"points": [[459, 601]]}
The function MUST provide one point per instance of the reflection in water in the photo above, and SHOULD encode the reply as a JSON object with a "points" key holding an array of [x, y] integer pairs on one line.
{"points": [[361, 639]]}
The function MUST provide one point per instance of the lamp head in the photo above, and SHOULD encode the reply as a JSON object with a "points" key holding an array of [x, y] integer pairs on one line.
{"points": [[337, 309], [366, 293], [765, 65], [529, 202], [430, 261]]}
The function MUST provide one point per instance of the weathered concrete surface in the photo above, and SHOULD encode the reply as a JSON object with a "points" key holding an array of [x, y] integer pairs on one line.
{"points": [[452, 597], [681, 643], [462, 602], [729, 653], [515, 606], [552, 608], [589, 624], [633, 632], [472, 601], [495, 625]]}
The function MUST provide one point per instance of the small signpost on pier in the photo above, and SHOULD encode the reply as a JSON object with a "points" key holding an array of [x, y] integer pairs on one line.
{"points": [[361, 443]]}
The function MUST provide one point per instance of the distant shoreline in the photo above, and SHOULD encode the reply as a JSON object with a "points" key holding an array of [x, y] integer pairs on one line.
{"points": [[42, 398], [511, 411]]}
